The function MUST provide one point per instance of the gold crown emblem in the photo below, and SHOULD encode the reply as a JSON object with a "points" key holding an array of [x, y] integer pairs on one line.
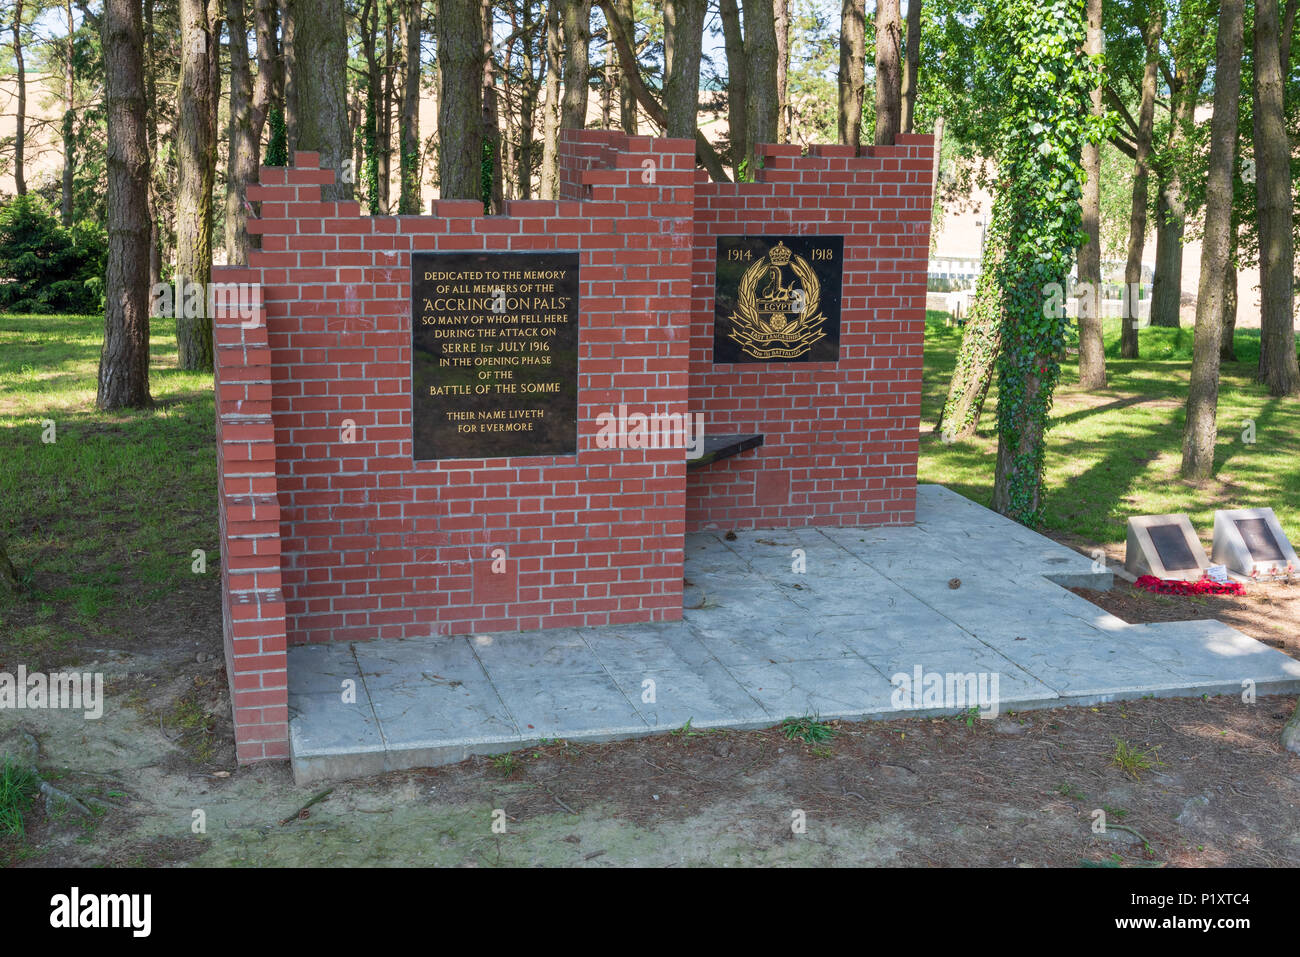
{"points": [[779, 255]]}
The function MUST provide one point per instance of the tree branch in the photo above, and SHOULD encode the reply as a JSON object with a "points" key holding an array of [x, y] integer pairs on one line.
{"points": [[705, 154], [1113, 98], [1124, 146]]}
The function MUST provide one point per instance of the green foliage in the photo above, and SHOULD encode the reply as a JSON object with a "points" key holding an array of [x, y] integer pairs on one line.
{"points": [[487, 173], [46, 268], [277, 145], [370, 150], [810, 729], [18, 785]]}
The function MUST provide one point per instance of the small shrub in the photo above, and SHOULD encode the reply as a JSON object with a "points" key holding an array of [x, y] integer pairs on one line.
{"points": [[44, 267]]}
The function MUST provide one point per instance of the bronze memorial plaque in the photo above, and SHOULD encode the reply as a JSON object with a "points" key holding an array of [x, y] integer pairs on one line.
{"points": [[1263, 547], [1172, 548], [494, 359], [777, 299]]}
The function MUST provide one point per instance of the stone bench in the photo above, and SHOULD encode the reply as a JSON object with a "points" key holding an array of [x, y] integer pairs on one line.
{"points": [[717, 447]]}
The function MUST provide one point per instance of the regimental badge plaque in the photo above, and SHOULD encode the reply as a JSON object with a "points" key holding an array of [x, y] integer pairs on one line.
{"points": [[777, 299]]}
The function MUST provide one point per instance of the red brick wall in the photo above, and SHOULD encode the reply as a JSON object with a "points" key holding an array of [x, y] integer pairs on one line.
{"points": [[840, 442], [249, 517], [328, 540]]}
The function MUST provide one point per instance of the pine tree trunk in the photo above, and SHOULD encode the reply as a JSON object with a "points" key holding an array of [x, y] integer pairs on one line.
{"points": [[321, 91], [627, 109], [289, 74], [1137, 224], [69, 118], [194, 161], [20, 102], [494, 199], [853, 71], [386, 116], [1278, 368], [408, 134], [912, 67], [124, 361], [550, 172], [576, 17], [1092, 357], [608, 84], [733, 36], [368, 19], [249, 99], [1203, 392], [760, 64], [460, 72], [527, 111], [151, 140], [781, 9], [889, 72], [682, 91]]}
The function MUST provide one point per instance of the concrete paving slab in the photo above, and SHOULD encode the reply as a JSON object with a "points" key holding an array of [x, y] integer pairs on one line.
{"points": [[708, 696], [768, 641], [588, 707], [826, 688]]}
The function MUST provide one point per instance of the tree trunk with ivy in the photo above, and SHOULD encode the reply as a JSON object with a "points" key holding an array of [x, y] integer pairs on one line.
{"points": [[976, 357], [1043, 125], [1201, 428]]}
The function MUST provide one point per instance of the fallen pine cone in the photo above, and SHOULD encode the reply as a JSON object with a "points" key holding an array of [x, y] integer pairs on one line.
{"points": [[954, 582]]}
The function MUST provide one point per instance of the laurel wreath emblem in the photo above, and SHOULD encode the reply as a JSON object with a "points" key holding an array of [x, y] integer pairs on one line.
{"points": [[777, 337]]}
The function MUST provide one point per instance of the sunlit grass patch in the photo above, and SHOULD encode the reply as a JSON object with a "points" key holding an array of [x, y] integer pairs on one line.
{"points": [[1116, 453]]}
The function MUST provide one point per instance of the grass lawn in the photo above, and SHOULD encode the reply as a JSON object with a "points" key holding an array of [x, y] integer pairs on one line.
{"points": [[1116, 453], [104, 519]]}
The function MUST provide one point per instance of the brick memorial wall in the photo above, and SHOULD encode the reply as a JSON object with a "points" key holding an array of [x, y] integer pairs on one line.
{"points": [[358, 501], [840, 437]]}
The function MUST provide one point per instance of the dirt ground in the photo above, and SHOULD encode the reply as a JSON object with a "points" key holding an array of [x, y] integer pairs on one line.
{"points": [[1022, 790]]}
